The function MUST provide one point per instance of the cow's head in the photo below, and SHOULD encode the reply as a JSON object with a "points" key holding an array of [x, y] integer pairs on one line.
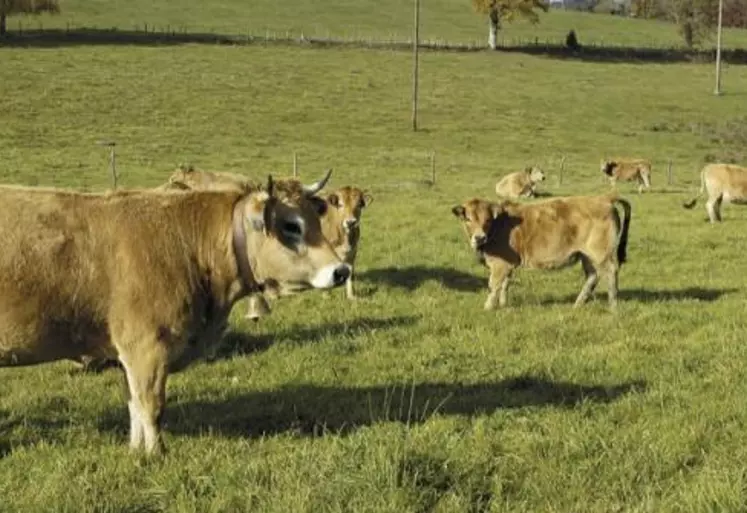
{"points": [[349, 203], [283, 236], [535, 174], [608, 166], [477, 217]]}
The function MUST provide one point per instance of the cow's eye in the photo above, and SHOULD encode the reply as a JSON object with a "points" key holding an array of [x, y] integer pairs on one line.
{"points": [[291, 229]]}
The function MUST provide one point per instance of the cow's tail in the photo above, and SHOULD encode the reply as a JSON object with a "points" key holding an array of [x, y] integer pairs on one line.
{"points": [[690, 204], [622, 243]]}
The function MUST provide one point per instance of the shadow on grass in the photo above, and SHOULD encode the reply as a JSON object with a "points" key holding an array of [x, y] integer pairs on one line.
{"points": [[237, 343], [410, 278], [592, 53], [310, 410], [25, 430], [654, 296]]}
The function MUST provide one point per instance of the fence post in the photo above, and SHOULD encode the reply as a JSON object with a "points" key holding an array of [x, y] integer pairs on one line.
{"points": [[560, 171], [112, 160], [295, 165], [669, 172], [433, 167]]}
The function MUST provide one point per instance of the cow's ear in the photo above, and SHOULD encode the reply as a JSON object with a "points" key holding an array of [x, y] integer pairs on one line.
{"points": [[334, 200], [496, 209], [458, 211], [259, 211], [528, 169], [367, 199]]}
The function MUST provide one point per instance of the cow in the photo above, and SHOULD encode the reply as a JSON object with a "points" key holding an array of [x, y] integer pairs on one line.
{"points": [[520, 184], [548, 234], [148, 277], [187, 177], [341, 225], [723, 183], [628, 170]]}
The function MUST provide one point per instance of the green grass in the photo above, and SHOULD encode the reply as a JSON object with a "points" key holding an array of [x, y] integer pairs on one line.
{"points": [[441, 20], [412, 399]]}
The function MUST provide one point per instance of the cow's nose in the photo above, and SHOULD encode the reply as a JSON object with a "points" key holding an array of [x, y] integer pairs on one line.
{"points": [[341, 274], [350, 223], [479, 240]]}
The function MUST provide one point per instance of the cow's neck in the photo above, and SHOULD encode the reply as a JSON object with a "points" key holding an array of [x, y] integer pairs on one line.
{"points": [[249, 283]]}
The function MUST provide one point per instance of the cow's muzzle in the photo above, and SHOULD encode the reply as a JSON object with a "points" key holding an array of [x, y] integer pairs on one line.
{"points": [[478, 241], [350, 223], [330, 276]]}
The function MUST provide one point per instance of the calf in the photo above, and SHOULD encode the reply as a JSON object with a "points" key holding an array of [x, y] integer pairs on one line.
{"points": [[722, 183], [548, 234], [520, 184], [628, 170]]}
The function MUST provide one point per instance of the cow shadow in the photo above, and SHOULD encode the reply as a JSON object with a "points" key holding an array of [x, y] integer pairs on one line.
{"points": [[412, 277], [312, 410], [237, 343], [35, 427], [653, 296]]}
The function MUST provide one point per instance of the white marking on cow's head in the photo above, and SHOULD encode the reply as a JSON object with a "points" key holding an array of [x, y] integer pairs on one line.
{"points": [[349, 203], [536, 175]]}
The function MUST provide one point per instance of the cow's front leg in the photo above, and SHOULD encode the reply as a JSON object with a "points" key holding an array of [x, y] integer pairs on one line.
{"points": [[500, 274], [146, 369], [257, 307], [349, 292]]}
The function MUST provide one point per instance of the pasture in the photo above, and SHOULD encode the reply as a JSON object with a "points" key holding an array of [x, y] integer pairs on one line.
{"points": [[413, 398]]}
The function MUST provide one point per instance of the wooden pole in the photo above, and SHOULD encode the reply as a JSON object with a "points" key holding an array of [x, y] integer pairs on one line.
{"points": [[433, 167], [415, 59], [717, 92], [112, 160], [560, 171], [669, 172], [295, 165]]}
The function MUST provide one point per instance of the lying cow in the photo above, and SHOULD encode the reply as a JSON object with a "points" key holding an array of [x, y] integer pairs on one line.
{"points": [[724, 183], [186, 177], [520, 184], [148, 277], [548, 234], [628, 170]]}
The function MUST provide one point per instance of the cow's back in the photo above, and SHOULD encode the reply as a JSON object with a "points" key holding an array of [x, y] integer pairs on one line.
{"points": [[512, 185], [728, 180]]}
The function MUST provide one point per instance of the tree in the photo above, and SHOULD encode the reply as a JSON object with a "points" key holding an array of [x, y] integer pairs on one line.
{"points": [[8, 7], [695, 19], [507, 10]]}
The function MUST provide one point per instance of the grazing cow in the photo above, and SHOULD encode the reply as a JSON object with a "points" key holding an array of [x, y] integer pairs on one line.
{"points": [[724, 183], [341, 225], [548, 234], [628, 170], [148, 277], [520, 184]]}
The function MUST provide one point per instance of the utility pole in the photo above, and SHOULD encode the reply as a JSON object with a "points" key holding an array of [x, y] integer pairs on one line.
{"points": [[415, 41], [717, 92]]}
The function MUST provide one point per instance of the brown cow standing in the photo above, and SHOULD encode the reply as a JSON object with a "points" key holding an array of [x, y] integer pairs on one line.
{"points": [[548, 234], [628, 170], [148, 277], [724, 183]]}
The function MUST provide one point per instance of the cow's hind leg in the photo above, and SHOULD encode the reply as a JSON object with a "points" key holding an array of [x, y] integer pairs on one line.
{"points": [[500, 274], [611, 269], [592, 278], [713, 207], [146, 369]]}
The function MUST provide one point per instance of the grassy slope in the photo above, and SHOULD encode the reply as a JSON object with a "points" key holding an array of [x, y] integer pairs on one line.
{"points": [[444, 20], [536, 408]]}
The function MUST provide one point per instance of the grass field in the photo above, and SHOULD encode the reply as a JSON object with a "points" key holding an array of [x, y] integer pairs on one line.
{"points": [[413, 399]]}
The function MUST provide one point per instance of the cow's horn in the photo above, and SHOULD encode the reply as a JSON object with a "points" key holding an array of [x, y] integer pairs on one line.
{"points": [[270, 185], [312, 189]]}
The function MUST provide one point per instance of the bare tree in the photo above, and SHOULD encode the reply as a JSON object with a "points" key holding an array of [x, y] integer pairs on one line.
{"points": [[508, 10], [8, 7]]}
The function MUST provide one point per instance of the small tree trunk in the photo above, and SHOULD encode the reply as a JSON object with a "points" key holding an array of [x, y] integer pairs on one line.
{"points": [[3, 26], [492, 38]]}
